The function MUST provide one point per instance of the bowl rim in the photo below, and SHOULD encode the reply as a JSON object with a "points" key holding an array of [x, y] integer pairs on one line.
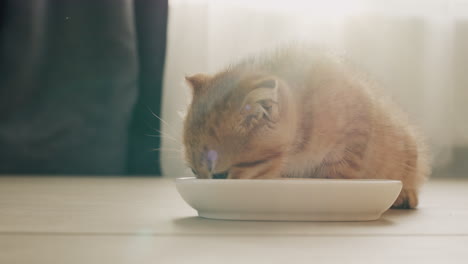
{"points": [[194, 180]]}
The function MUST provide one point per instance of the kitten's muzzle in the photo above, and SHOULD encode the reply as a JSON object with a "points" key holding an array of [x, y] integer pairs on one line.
{"points": [[221, 175]]}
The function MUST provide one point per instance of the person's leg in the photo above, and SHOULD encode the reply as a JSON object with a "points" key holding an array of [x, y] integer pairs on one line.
{"points": [[151, 24]]}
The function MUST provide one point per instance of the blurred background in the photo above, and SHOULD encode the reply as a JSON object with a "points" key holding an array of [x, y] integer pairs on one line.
{"points": [[82, 81]]}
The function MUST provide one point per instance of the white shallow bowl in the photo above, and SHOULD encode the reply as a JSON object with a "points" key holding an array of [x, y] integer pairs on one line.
{"points": [[289, 199]]}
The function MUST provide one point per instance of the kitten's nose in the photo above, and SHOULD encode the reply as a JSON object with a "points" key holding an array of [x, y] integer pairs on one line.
{"points": [[211, 158]]}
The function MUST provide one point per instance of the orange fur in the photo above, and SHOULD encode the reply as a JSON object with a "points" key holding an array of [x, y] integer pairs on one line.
{"points": [[300, 112]]}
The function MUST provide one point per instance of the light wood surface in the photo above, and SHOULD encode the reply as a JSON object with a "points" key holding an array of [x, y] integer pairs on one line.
{"points": [[144, 220]]}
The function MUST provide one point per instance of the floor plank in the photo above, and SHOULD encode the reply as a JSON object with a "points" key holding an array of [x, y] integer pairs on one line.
{"points": [[59, 249]]}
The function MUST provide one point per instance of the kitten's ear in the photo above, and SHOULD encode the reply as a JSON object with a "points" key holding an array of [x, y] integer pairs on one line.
{"points": [[261, 103], [197, 82]]}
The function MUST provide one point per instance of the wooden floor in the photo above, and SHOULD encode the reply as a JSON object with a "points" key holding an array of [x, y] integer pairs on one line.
{"points": [[144, 220]]}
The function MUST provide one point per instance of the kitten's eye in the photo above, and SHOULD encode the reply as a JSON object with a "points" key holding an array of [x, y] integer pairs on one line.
{"points": [[222, 175]]}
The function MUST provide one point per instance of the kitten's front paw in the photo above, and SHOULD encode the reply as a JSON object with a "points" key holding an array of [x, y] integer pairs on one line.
{"points": [[408, 199]]}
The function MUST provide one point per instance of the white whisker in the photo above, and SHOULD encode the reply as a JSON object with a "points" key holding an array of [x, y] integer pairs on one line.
{"points": [[160, 119], [164, 137]]}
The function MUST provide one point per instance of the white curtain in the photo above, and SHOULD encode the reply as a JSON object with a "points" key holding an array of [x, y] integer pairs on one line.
{"points": [[418, 51]]}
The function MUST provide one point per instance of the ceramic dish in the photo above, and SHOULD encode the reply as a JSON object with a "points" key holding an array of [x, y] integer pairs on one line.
{"points": [[289, 199]]}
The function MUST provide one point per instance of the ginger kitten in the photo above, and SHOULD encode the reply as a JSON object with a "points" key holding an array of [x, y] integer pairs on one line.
{"points": [[299, 112]]}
